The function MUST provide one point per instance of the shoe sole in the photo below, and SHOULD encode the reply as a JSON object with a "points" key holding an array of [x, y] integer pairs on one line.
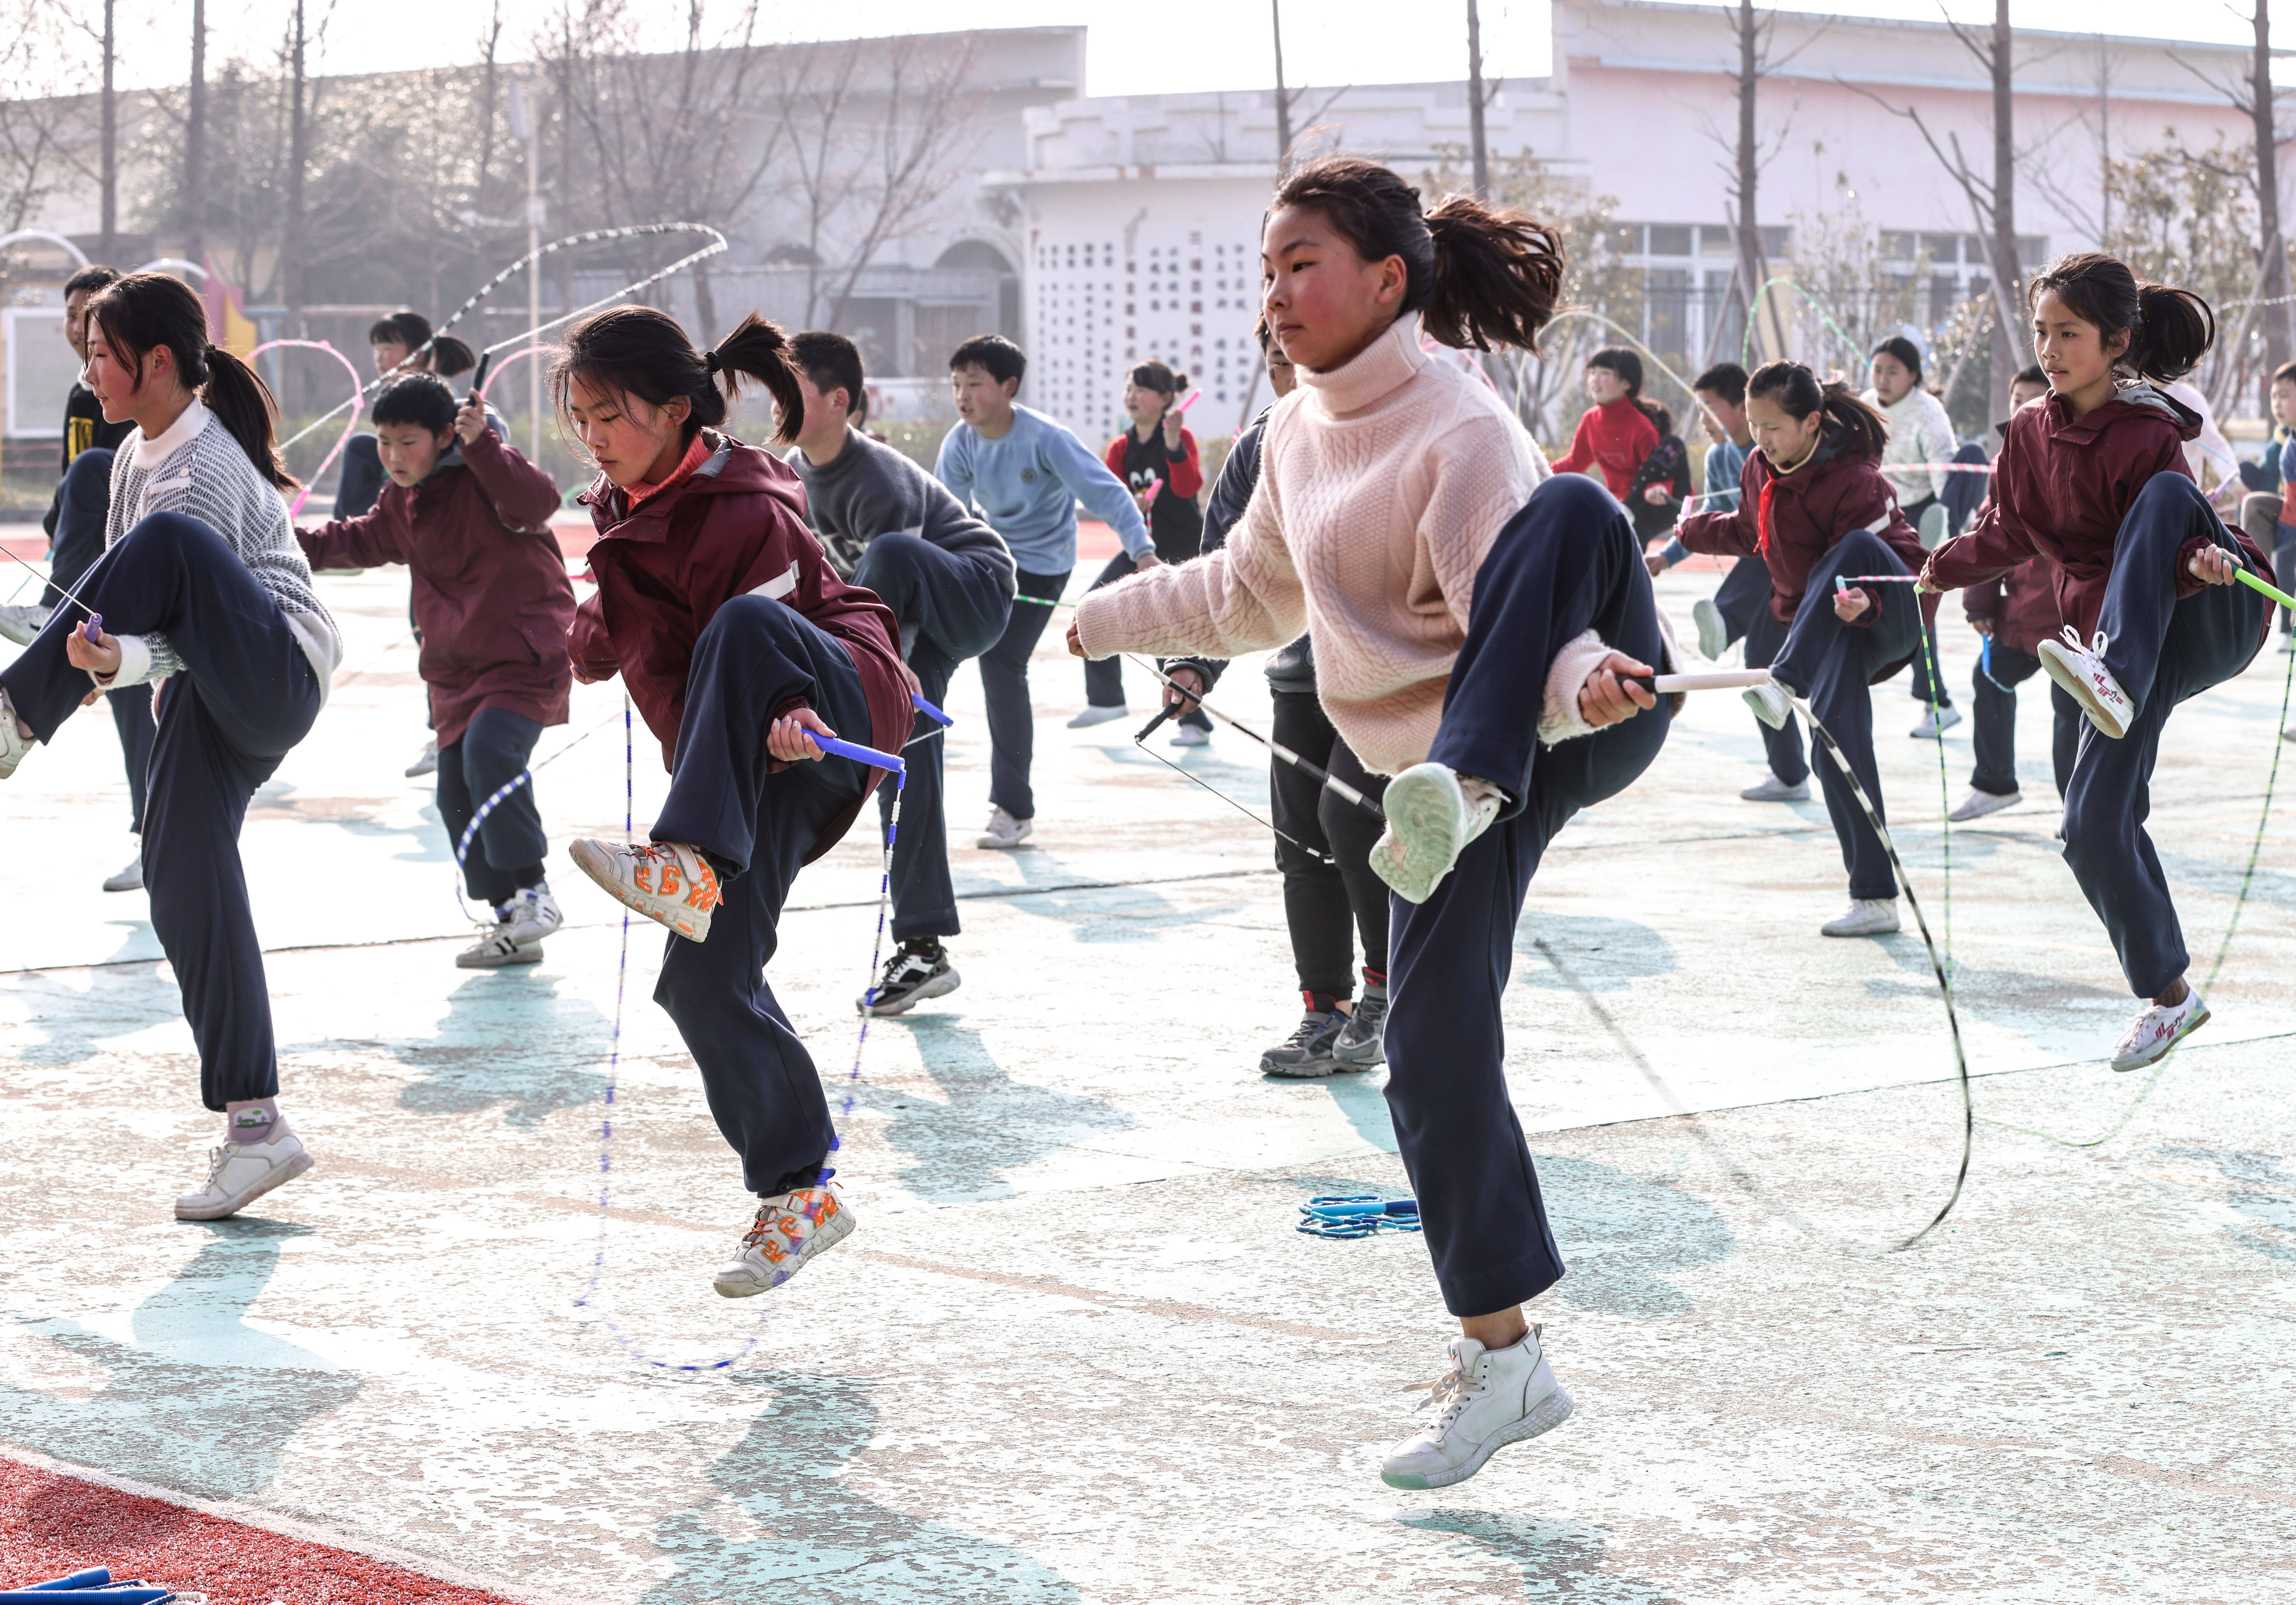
{"points": [[297, 1166], [1086, 721], [1713, 632], [1776, 797], [1963, 815], [2168, 1047], [117, 885], [992, 844], [2077, 686], [835, 1230], [1544, 1416], [1306, 1069], [599, 868], [1424, 816], [1863, 930], [940, 986], [517, 955], [1357, 1061], [1763, 711]]}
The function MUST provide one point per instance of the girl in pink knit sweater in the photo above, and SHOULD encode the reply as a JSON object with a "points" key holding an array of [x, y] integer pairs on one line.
{"points": [[1475, 624]]}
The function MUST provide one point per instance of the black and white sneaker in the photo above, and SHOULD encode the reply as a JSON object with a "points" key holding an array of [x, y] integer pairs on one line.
{"points": [[911, 976], [1306, 1054], [1362, 1043]]}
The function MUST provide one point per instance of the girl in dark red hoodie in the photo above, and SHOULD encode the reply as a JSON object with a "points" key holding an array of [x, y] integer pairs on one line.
{"points": [[1813, 506], [2093, 478], [739, 644]]}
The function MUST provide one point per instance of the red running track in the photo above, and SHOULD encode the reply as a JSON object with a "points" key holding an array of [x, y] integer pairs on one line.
{"points": [[52, 1524]]}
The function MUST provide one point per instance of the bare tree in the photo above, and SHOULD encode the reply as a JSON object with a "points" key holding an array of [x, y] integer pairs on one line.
{"points": [[40, 121], [195, 140], [1476, 104], [1755, 35], [2252, 96], [1992, 200], [292, 234], [875, 129], [675, 135]]}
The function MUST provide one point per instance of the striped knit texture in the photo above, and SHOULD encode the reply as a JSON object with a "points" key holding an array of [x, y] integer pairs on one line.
{"points": [[209, 478], [1383, 485]]}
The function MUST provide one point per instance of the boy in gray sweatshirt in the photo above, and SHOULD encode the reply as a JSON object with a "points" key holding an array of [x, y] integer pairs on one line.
{"points": [[891, 526]]}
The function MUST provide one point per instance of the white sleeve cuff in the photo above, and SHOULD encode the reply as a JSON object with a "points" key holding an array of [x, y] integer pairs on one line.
{"points": [[1559, 719], [135, 665]]}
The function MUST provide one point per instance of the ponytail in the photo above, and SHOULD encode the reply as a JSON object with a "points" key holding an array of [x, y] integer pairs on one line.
{"points": [[2169, 330], [1859, 432], [643, 352], [1476, 277], [146, 311], [450, 356]]}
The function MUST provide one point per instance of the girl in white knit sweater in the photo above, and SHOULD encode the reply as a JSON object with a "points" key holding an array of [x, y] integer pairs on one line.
{"points": [[1475, 622], [1920, 438], [200, 582]]}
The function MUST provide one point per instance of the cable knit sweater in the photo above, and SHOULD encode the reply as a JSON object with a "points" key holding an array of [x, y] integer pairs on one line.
{"points": [[195, 468], [1919, 432], [1383, 485]]}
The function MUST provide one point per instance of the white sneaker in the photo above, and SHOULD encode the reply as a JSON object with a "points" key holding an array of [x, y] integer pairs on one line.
{"points": [[1978, 804], [1189, 735], [1003, 831], [2160, 1028], [2081, 671], [1490, 1398], [1865, 917], [1095, 713], [1935, 723], [240, 1173], [790, 1228], [21, 622], [1430, 819], [664, 881], [516, 938], [1771, 705], [1713, 630], [428, 764], [14, 742], [1774, 790], [129, 877]]}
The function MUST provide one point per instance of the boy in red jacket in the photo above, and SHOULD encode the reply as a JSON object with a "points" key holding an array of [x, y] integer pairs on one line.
{"points": [[472, 518], [739, 644]]}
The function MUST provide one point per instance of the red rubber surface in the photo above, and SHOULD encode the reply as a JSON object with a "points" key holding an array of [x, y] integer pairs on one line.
{"points": [[52, 1525]]}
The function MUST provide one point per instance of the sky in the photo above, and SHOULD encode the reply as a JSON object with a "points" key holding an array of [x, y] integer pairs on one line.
{"points": [[1163, 48]]}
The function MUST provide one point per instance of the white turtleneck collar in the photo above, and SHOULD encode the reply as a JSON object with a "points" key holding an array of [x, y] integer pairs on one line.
{"points": [[1389, 362]]}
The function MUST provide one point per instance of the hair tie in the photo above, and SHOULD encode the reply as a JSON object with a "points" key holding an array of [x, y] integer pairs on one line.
{"points": [[710, 362]]}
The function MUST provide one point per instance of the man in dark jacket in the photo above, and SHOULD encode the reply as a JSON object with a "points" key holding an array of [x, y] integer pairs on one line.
{"points": [[889, 524], [75, 529]]}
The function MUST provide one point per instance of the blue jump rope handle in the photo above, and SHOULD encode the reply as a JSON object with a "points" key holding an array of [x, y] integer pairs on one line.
{"points": [[93, 629], [840, 748], [95, 1576], [50, 1595], [928, 710], [1336, 1209]]}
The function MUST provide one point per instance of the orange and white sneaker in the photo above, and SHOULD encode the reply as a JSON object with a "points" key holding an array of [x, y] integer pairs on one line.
{"points": [[664, 881], [790, 1228], [2081, 671]]}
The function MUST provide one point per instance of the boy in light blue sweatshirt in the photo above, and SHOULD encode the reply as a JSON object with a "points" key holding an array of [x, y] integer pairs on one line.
{"points": [[1026, 474]]}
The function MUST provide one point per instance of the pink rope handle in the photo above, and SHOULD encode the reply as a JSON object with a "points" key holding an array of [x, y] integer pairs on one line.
{"points": [[359, 400], [1193, 397]]}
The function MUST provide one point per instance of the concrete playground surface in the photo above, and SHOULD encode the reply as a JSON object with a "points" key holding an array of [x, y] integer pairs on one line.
{"points": [[1076, 1351]]}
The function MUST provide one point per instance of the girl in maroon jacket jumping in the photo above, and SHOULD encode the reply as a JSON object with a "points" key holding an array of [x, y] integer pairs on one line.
{"points": [[472, 518], [739, 644], [2093, 479], [1815, 507]]}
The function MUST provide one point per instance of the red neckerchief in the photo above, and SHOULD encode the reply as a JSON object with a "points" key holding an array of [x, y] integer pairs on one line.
{"points": [[1762, 518]]}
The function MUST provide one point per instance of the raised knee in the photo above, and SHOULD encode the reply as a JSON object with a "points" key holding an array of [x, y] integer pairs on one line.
{"points": [[2169, 489], [753, 617]]}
